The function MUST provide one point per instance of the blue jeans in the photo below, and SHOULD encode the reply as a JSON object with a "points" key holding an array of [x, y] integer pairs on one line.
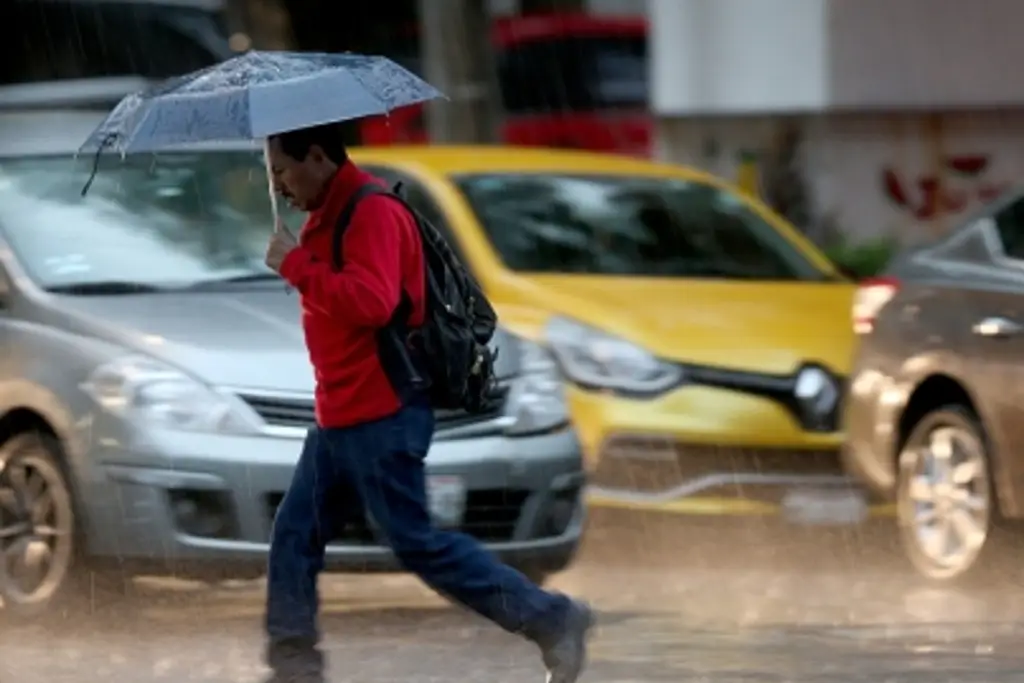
{"points": [[377, 469]]}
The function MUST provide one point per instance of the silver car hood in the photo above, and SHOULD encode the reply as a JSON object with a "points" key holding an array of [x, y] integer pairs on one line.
{"points": [[248, 337]]}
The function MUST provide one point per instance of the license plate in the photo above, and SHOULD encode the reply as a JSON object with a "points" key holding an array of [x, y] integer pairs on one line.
{"points": [[836, 506], [446, 499]]}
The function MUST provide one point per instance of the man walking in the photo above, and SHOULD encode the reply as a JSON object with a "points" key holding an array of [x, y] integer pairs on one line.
{"points": [[366, 454]]}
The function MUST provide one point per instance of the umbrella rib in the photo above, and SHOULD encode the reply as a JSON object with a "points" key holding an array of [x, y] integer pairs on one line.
{"points": [[313, 76], [384, 105]]}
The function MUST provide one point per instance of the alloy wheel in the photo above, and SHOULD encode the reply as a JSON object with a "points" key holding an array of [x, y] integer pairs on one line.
{"points": [[945, 506], [36, 525]]}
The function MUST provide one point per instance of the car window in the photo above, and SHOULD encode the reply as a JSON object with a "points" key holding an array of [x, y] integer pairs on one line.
{"points": [[173, 219], [605, 225], [1010, 226]]}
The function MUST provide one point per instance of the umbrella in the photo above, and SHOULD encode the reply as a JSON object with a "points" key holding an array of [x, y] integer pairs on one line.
{"points": [[254, 96]]}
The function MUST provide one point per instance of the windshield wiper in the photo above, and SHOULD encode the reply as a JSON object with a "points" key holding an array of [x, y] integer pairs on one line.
{"points": [[106, 287], [250, 277], [237, 279]]}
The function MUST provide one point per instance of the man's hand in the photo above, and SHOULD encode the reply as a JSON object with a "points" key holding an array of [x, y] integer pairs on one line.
{"points": [[281, 244]]}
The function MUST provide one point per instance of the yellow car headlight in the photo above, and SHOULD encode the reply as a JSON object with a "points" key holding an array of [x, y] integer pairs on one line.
{"points": [[594, 359]]}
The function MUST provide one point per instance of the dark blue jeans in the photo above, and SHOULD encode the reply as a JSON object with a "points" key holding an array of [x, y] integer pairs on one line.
{"points": [[377, 469]]}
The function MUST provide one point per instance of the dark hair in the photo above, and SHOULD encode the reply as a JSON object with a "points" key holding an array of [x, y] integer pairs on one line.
{"points": [[330, 137]]}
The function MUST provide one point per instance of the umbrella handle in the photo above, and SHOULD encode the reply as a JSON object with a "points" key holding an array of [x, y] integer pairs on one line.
{"points": [[271, 192], [270, 182]]}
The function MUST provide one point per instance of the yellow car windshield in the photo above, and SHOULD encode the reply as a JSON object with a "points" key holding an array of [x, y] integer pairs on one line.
{"points": [[630, 226]]}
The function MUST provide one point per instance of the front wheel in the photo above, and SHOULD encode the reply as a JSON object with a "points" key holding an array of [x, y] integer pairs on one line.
{"points": [[37, 524], [945, 503]]}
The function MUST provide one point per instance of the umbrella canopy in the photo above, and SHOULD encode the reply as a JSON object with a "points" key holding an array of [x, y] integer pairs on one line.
{"points": [[256, 95]]}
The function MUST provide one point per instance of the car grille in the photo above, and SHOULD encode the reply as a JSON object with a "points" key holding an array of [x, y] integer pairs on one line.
{"points": [[651, 465], [284, 411], [491, 515]]}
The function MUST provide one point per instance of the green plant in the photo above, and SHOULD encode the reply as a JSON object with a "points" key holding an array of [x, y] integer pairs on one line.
{"points": [[863, 259]]}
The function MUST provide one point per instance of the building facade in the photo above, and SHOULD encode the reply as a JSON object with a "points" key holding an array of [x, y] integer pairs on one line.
{"points": [[905, 115]]}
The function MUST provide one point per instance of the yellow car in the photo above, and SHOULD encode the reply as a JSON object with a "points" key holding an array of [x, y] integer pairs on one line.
{"points": [[704, 340]]}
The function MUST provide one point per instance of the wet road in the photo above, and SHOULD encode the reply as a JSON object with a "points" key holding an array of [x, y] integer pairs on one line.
{"points": [[680, 600]]}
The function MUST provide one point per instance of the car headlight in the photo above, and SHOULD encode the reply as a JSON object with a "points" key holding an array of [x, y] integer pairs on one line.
{"points": [[145, 390], [536, 401], [593, 358]]}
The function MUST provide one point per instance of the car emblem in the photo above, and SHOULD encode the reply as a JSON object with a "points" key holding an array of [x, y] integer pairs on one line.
{"points": [[816, 391]]}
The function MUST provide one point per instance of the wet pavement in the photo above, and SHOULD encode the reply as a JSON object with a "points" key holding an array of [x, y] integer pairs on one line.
{"points": [[680, 599]]}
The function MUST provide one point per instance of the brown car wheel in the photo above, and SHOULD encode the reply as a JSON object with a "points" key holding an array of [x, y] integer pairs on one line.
{"points": [[945, 503]]}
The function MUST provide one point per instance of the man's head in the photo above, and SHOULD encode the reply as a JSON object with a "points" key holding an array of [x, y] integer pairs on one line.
{"points": [[303, 162]]}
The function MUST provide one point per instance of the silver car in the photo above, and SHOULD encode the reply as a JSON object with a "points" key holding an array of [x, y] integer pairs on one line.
{"points": [[155, 389]]}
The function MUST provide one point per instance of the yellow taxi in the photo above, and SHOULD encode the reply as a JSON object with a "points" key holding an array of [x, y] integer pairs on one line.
{"points": [[705, 342]]}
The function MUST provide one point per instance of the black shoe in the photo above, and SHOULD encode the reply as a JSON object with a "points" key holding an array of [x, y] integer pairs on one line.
{"points": [[566, 657], [295, 660]]}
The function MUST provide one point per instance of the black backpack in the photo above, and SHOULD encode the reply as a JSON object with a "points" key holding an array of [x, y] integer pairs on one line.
{"points": [[448, 357]]}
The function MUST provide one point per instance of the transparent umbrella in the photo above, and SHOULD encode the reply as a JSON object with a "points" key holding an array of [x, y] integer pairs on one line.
{"points": [[254, 96]]}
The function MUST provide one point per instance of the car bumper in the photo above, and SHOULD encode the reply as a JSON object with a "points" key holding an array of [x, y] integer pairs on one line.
{"points": [[149, 503], [719, 451], [871, 416]]}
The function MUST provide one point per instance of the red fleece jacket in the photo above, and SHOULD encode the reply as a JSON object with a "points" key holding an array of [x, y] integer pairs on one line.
{"points": [[342, 310]]}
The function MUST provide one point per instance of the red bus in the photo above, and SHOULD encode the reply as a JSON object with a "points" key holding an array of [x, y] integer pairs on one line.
{"points": [[566, 80]]}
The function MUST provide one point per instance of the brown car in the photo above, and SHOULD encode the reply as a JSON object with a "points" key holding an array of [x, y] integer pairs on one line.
{"points": [[935, 407]]}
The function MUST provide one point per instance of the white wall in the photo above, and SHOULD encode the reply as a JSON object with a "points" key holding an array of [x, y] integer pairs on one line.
{"points": [[861, 165], [737, 56], [871, 174]]}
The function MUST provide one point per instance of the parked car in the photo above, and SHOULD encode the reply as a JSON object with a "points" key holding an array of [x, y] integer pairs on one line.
{"points": [[77, 39], [932, 417], [155, 389], [704, 340]]}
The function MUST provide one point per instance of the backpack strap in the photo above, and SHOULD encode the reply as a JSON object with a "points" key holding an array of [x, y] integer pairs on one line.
{"points": [[394, 345], [345, 217], [404, 308]]}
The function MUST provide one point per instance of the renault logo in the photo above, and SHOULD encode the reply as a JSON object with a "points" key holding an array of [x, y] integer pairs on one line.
{"points": [[816, 392]]}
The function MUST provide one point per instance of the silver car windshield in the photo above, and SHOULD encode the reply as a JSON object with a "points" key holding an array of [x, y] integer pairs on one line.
{"points": [[166, 221]]}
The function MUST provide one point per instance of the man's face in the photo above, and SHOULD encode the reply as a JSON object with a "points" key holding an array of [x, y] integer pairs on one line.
{"points": [[302, 183]]}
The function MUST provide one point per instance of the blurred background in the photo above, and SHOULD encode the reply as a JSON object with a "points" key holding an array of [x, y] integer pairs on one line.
{"points": [[874, 127], [865, 123]]}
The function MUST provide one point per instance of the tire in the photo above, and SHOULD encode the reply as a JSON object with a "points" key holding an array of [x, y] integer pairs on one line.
{"points": [[38, 539], [946, 507]]}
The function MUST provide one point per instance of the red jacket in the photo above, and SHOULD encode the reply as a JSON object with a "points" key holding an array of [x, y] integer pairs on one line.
{"points": [[341, 311]]}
